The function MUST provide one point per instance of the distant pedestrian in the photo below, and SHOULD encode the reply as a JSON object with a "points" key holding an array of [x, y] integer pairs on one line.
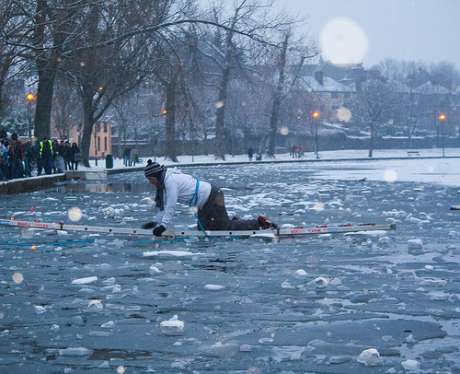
{"points": [[135, 158], [28, 158], [55, 155], [250, 153], [67, 154], [299, 151], [127, 156], [45, 155], [296, 151], [4, 169], [75, 156], [16, 157], [59, 157]]}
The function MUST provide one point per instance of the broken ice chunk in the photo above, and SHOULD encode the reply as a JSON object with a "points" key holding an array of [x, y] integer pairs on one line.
{"points": [[415, 244], [320, 282], [369, 357], [172, 326], [214, 287], [410, 364], [86, 280], [301, 273], [95, 305]]}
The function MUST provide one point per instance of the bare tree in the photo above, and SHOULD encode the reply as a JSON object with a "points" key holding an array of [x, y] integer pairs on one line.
{"points": [[286, 79], [254, 18], [105, 73], [281, 65], [374, 106], [9, 54], [53, 24], [65, 111]]}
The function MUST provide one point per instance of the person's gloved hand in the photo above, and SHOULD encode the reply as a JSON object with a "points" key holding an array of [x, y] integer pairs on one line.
{"points": [[149, 225], [158, 230]]}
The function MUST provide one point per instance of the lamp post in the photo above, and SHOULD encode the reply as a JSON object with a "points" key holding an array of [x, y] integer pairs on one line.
{"points": [[30, 98], [442, 118], [315, 116]]}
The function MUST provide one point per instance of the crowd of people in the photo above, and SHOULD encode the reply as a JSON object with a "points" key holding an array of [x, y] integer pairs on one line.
{"points": [[296, 151], [130, 157], [21, 159]]}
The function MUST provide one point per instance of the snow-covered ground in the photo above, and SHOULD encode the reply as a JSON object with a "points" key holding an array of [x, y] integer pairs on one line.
{"points": [[325, 155], [439, 171], [380, 303]]}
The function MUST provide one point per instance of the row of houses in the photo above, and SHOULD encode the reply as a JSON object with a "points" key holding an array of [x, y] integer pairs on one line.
{"points": [[333, 86], [336, 93]]}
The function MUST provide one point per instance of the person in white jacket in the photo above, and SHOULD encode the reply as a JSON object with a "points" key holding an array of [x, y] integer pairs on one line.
{"points": [[174, 186]]}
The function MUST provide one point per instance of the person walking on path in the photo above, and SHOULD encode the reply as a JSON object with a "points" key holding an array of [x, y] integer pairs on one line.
{"points": [[173, 186], [67, 154], [127, 157], [75, 156], [16, 155], [250, 153]]}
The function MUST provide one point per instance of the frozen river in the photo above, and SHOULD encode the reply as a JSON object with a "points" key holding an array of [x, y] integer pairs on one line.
{"points": [[98, 304]]}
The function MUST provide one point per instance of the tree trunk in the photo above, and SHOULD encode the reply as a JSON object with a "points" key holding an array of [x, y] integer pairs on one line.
{"points": [[277, 98], [435, 122], [220, 114], [371, 142], [1, 101], [88, 123], [3, 74], [171, 152], [44, 102]]}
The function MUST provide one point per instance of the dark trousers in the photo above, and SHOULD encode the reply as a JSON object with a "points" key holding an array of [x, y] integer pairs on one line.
{"points": [[17, 170], [214, 216], [68, 164], [44, 163], [27, 167]]}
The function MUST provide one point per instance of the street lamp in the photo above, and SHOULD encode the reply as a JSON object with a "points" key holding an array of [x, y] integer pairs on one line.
{"points": [[315, 116], [442, 118], [30, 98]]}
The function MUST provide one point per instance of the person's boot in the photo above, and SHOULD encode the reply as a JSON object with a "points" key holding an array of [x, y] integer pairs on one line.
{"points": [[265, 223]]}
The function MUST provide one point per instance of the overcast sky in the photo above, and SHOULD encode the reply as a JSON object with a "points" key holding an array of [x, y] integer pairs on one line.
{"points": [[427, 30]]}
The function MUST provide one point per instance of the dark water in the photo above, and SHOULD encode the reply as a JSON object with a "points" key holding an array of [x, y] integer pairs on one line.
{"points": [[103, 187]]}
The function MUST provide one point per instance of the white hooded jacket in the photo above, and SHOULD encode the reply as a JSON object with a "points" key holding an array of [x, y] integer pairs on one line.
{"points": [[180, 187]]}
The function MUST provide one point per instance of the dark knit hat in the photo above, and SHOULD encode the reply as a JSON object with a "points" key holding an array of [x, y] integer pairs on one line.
{"points": [[153, 169]]}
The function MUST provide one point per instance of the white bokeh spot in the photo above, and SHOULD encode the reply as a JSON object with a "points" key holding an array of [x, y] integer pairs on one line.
{"points": [[74, 214], [18, 278], [284, 131], [344, 114], [390, 175], [343, 42]]}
